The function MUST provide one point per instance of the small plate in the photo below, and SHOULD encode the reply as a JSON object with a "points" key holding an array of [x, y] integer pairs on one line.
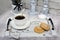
{"points": [[20, 27]]}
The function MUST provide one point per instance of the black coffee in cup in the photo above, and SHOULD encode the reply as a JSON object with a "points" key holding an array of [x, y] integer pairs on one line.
{"points": [[19, 17]]}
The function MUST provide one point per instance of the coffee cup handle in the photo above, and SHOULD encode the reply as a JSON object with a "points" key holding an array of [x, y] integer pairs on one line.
{"points": [[51, 23], [9, 20]]}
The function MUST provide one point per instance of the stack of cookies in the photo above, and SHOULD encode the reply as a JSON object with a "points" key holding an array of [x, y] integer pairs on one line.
{"points": [[42, 28]]}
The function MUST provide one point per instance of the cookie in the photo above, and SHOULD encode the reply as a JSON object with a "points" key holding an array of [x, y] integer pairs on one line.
{"points": [[38, 30], [45, 26]]}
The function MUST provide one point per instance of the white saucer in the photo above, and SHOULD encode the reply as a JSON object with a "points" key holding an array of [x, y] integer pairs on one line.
{"points": [[20, 27]]}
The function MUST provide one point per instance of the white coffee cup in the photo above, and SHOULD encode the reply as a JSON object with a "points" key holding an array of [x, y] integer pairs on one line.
{"points": [[20, 19]]}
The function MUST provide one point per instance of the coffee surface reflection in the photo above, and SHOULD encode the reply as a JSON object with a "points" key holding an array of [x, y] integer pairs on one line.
{"points": [[19, 17]]}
